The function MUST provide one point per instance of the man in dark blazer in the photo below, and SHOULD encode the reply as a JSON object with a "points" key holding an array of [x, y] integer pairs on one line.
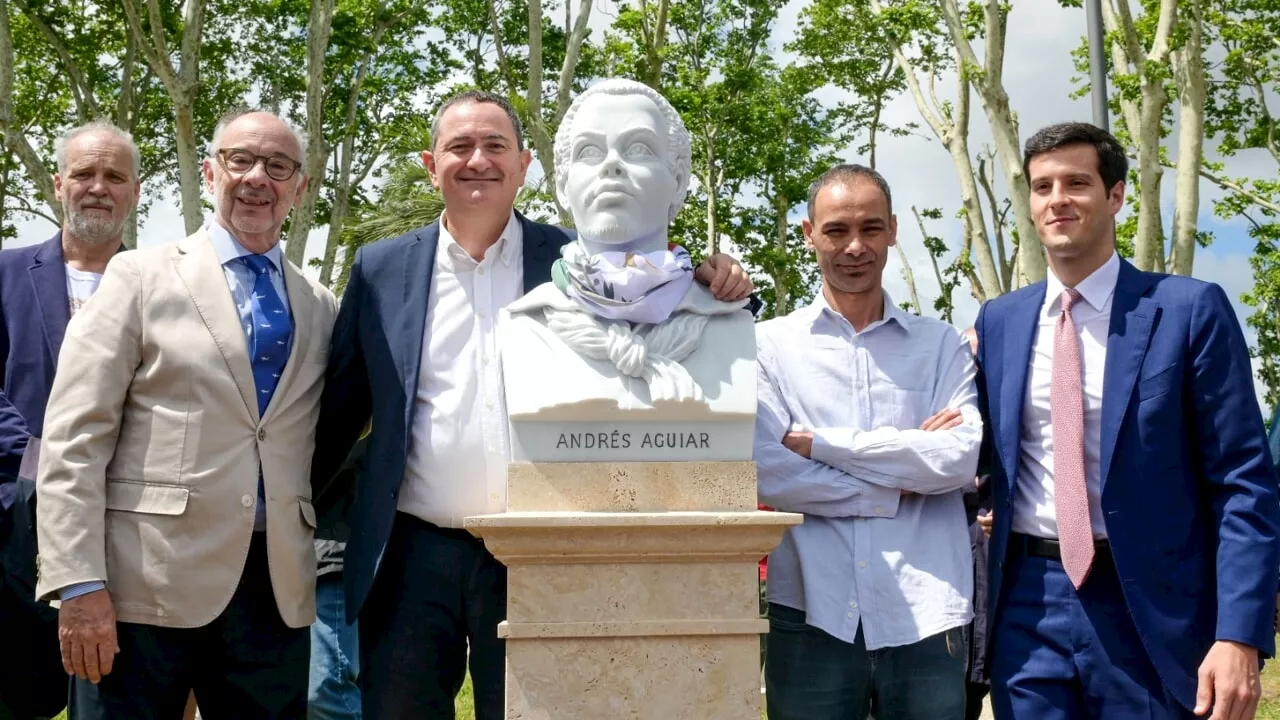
{"points": [[40, 286], [414, 348], [1134, 549]]}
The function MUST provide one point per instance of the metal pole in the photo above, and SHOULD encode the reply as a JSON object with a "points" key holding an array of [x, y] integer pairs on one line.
{"points": [[1097, 63]]}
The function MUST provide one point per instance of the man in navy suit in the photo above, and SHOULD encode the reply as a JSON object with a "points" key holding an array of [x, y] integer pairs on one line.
{"points": [[1134, 549], [40, 287], [414, 348]]}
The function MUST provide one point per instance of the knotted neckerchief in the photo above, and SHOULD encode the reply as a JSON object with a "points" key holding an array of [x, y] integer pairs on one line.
{"points": [[631, 286]]}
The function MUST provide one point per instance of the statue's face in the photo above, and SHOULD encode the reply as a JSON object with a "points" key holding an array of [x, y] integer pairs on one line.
{"points": [[619, 185]]}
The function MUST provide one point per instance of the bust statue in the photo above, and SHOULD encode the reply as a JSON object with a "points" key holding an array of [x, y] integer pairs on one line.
{"points": [[622, 334]]}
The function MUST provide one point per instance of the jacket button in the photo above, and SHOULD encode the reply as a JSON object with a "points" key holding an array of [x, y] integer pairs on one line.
{"points": [[262, 434], [247, 501]]}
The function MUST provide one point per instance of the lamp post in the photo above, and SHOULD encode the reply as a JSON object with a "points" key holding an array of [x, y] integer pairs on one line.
{"points": [[1097, 63]]}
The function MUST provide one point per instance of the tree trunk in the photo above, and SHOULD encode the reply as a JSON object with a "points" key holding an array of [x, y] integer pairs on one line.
{"points": [[341, 206], [130, 238], [1148, 246], [1144, 119], [540, 135], [542, 141], [1189, 72], [181, 85], [1004, 265], [953, 132], [319, 28], [1004, 127], [713, 239], [781, 296], [188, 169], [654, 48], [975, 223], [14, 139], [909, 276]]}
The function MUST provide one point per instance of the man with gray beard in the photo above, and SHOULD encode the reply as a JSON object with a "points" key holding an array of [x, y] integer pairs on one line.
{"points": [[41, 286]]}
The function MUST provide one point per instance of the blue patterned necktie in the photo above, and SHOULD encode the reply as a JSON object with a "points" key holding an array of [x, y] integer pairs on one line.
{"points": [[268, 351], [272, 330]]}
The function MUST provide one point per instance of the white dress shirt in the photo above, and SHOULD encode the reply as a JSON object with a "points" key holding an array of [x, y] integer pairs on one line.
{"points": [[460, 444], [1033, 509], [898, 566]]}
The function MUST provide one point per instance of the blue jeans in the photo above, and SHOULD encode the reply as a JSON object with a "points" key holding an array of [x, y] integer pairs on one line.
{"points": [[335, 656], [810, 675]]}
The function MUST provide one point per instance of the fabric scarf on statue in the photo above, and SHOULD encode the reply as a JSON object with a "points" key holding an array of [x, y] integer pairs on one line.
{"points": [[631, 286]]}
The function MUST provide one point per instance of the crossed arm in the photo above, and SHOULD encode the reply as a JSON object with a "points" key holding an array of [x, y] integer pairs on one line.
{"points": [[848, 472]]}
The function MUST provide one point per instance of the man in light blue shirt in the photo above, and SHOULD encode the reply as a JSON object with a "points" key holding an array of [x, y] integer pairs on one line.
{"points": [[868, 424]]}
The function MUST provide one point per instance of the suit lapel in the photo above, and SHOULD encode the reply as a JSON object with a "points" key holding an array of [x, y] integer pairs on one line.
{"points": [[302, 310], [198, 267], [1132, 319], [49, 280], [415, 291], [540, 253], [1016, 344]]}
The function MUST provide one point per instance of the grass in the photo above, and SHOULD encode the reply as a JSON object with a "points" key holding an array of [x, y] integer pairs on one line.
{"points": [[464, 705], [1268, 709]]}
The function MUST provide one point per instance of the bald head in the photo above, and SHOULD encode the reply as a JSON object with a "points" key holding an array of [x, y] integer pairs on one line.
{"points": [[258, 119], [255, 175]]}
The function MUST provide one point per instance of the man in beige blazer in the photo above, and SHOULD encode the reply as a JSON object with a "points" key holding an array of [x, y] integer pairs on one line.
{"points": [[174, 510]]}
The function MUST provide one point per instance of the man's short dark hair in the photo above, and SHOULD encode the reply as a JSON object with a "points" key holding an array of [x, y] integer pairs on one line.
{"points": [[848, 172], [1112, 163], [478, 96]]}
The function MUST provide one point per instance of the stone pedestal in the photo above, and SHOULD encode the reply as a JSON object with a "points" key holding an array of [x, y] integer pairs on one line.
{"points": [[632, 589]]}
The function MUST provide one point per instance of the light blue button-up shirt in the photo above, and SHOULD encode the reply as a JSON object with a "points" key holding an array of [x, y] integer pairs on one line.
{"points": [[884, 544], [240, 278]]}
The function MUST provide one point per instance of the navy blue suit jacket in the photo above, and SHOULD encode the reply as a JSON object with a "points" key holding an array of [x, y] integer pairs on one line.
{"points": [[373, 373], [1188, 489], [34, 312]]}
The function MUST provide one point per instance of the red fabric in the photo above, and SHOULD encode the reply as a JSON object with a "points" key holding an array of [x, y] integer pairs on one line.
{"points": [[764, 562]]}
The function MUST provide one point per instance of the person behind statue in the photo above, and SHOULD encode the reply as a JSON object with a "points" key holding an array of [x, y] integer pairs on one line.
{"points": [[622, 303], [333, 692], [41, 287], [415, 350], [868, 424]]}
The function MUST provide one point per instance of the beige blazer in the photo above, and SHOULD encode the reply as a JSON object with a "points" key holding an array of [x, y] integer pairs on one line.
{"points": [[149, 467]]}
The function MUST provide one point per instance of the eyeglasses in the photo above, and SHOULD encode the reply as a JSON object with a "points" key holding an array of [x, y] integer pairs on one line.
{"points": [[240, 162]]}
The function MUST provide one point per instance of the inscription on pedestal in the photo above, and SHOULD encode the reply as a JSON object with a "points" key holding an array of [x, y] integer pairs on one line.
{"points": [[630, 441]]}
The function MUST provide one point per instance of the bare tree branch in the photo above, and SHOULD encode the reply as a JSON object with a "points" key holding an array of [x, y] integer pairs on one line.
{"points": [[504, 67]]}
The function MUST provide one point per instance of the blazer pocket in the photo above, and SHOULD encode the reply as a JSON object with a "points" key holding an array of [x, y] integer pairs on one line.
{"points": [[308, 512], [1157, 383], [127, 496]]}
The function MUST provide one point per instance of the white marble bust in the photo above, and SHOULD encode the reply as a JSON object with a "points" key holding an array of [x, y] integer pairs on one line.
{"points": [[623, 340]]}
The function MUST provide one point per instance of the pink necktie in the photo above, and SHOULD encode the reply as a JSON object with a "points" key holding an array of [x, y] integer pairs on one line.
{"points": [[1066, 406]]}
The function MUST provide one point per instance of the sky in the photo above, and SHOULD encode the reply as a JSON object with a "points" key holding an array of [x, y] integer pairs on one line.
{"points": [[1038, 79]]}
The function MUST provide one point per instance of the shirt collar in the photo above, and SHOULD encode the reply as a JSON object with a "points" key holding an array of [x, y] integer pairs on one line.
{"points": [[1096, 289], [506, 250], [892, 313], [227, 248]]}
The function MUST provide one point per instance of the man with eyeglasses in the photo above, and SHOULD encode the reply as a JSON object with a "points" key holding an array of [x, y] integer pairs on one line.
{"points": [[174, 513]]}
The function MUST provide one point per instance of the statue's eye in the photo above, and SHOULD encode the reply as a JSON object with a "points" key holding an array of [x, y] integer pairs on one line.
{"points": [[639, 149], [589, 152]]}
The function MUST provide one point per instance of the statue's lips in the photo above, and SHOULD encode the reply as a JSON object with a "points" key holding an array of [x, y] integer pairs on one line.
{"points": [[613, 193]]}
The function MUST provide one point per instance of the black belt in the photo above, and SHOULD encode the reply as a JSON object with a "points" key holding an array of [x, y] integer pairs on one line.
{"points": [[1049, 548]]}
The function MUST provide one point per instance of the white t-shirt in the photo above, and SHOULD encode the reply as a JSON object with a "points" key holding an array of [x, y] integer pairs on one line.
{"points": [[81, 285]]}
